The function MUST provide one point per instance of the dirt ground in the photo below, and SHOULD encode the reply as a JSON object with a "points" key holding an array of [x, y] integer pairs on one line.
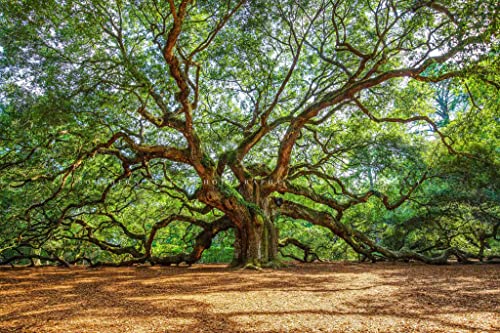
{"points": [[337, 297]]}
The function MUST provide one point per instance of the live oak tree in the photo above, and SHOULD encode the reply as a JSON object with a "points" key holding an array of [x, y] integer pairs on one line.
{"points": [[125, 123]]}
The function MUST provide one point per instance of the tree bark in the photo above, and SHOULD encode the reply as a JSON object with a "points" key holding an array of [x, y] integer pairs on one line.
{"points": [[255, 244], [256, 241]]}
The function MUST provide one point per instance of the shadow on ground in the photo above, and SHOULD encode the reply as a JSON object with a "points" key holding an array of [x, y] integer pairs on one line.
{"points": [[304, 298]]}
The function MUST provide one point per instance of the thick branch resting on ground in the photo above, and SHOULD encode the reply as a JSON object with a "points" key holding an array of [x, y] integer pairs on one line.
{"points": [[309, 255], [361, 243], [15, 258]]}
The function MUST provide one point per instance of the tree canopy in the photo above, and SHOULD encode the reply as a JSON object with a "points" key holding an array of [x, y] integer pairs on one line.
{"points": [[151, 131]]}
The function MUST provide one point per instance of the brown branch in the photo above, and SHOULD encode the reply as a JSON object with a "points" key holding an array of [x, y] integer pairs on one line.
{"points": [[361, 243], [348, 92], [410, 120], [309, 255], [202, 242]]}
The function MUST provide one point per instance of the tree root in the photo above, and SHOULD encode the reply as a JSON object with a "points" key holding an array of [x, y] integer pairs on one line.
{"points": [[252, 266]]}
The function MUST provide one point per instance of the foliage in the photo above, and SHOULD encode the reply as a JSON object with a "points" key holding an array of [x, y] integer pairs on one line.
{"points": [[174, 131]]}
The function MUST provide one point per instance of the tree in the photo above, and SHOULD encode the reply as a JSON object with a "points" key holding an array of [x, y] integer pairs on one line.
{"points": [[122, 119]]}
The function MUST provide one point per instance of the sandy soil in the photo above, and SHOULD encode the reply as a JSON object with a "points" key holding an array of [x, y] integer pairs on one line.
{"points": [[313, 298]]}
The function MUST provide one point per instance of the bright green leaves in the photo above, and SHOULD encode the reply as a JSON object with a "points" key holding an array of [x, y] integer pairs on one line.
{"points": [[74, 75]]}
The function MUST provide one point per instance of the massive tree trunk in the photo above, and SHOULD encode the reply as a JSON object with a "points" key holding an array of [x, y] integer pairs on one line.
{"points": [[256, 237], [256, 243]]}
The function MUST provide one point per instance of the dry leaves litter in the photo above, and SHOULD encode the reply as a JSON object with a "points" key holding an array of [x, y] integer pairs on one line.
{"points": [[338, 297]]}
